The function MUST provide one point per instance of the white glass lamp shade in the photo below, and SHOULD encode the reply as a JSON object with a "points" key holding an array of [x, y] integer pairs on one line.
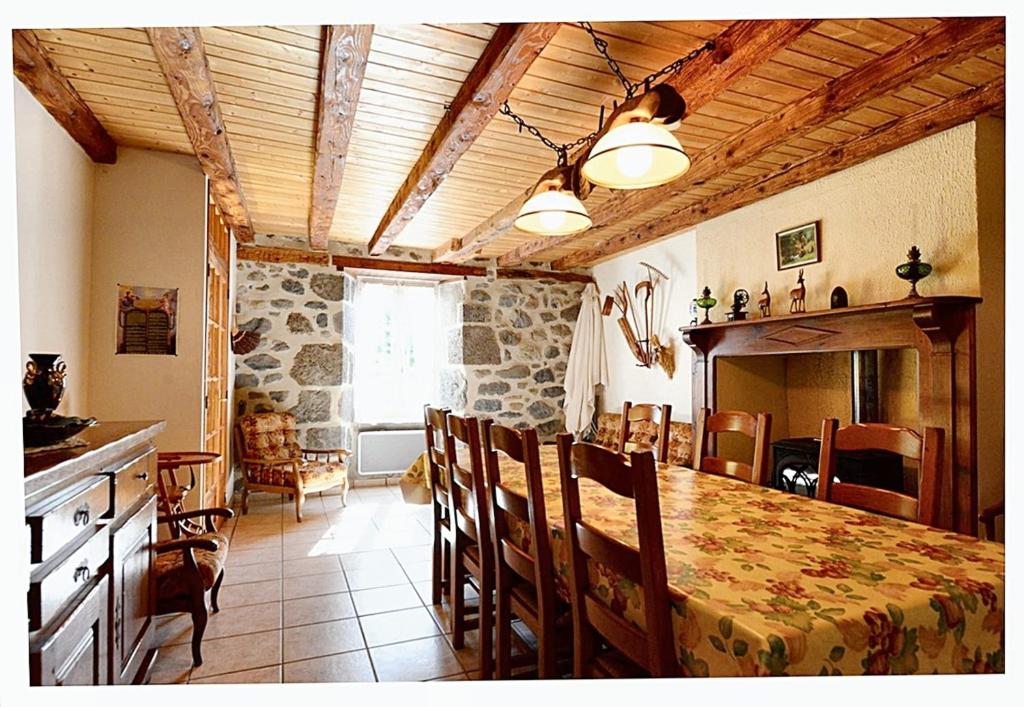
{"points": [[636, 155], [553, 213]]}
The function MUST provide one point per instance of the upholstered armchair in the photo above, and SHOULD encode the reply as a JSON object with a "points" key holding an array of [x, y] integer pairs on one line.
{"points": [[188, 566], [272, 461]]}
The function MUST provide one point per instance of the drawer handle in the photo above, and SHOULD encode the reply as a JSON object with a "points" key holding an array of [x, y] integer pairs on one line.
{"points": [[144, 476], [81, 516], [82, 572]]}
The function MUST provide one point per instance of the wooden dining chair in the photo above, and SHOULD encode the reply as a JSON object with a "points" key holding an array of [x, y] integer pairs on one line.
{"points": [[633, 651], [646, 425], [472, 559], [524, 564], [987, 518], [758, 428], [899, 440], [435, 426]]}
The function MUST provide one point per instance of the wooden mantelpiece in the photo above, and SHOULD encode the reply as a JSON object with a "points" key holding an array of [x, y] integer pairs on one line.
{"points": [[941, 329]]}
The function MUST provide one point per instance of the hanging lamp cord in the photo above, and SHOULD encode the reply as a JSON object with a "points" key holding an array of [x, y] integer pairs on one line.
{"points": [[630, 87]]}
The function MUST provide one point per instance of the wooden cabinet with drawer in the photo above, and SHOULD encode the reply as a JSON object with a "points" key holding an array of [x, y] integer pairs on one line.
{"points": [[90, 521], [132, 593], [74, 651]]}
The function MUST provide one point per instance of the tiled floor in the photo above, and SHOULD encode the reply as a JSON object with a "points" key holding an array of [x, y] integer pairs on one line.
{"points": [[342, 596]]}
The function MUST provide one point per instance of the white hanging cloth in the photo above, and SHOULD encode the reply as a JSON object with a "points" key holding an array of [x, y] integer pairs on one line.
{"points": [[588, 365]]}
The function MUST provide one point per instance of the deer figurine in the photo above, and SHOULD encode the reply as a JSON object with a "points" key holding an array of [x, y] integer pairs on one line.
{"points": [[797, 294], [764, 302]]}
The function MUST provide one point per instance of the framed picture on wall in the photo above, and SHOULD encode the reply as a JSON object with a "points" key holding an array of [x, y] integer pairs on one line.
{"points": [[796, 247], [147, 320]]}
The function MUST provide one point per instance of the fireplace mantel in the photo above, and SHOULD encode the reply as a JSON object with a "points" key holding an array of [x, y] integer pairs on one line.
{"points": [[941, 329]]}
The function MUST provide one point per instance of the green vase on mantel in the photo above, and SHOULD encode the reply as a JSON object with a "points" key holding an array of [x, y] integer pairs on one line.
{"points": [[913, 270], [706, 302]]}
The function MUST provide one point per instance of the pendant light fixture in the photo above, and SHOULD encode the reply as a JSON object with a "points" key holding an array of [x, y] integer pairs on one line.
{"points": [[634, 149], [553, 209], [554, 206]]}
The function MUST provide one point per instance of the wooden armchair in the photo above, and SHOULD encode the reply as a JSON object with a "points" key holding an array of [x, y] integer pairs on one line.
{"points": [[272, 461], [189, 565]]}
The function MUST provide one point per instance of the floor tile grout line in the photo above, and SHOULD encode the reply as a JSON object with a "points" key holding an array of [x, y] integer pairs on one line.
{"points": [[359, 622]]}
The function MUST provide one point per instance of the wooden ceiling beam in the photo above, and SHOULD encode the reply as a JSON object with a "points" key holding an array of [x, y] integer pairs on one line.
{"points": [[739, 49], [954, 111], [269, 254], [182, 59], [343, 63], [35, 69], [507, 56], [947, 43]]}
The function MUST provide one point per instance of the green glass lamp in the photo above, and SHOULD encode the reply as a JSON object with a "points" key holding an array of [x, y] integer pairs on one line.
{"points": [[706, 302]]}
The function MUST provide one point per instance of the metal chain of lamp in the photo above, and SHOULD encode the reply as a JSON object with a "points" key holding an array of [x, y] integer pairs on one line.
{"points": [[633, 149]]}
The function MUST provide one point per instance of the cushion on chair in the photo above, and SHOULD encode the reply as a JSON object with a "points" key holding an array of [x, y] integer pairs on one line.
{"points": [[270, 436], [680, 444], [608, 429], [643, 435], [171, 575], [319, 475]]}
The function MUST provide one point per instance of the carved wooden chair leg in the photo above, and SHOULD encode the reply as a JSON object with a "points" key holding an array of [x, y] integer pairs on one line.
{"points": [[199, 615], [300, 499], [245, 500], [344, 493], [215, 592], [291, 497]]}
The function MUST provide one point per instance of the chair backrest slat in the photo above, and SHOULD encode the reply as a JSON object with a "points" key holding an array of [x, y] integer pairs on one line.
{"points": [[518, 561], [629, 639], [651, 647], [609, 552], [927, 451], [757, 427], [658, 415]]}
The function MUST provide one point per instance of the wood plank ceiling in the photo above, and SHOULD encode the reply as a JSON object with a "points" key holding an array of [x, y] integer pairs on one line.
{"points": [[267, 83]]}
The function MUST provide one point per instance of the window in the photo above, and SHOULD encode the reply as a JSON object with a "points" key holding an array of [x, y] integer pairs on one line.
{"points": [[395, 351]]}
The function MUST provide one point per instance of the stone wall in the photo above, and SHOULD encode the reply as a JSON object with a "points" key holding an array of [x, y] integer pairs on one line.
{"points": [[298, 365], [508, 346]]}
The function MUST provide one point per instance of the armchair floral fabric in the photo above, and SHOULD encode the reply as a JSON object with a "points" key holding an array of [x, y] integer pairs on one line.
{"points": [[269, 441], [643, 434]]}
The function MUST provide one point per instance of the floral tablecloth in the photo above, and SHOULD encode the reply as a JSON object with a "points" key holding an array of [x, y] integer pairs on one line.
{"points": [[770, 583]]}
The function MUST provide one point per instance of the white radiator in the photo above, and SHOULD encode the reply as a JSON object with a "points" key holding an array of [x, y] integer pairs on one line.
{"points": [[381, 452]]}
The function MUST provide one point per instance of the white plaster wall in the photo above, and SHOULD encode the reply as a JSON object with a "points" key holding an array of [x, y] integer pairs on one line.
{"points": [[870, 215], [150, 229], [991, 335], [676, 257], [55, 181]]}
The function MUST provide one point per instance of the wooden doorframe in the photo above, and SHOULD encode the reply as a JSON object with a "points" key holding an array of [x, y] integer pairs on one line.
{"points": [[216, 360]]}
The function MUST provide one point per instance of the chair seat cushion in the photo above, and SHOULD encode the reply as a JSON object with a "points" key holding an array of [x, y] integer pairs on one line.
{"points": [[172, 575], [316, 475], [322, 474]]}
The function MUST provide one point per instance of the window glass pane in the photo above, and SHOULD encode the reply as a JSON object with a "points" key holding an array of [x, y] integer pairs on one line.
{"points": [[394, 363]]}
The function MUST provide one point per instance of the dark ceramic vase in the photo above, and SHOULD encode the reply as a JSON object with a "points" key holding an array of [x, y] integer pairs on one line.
{"points": [[44, 384]]}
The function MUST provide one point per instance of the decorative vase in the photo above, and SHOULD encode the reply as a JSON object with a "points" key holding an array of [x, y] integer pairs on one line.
{"points": [[44, 384], [913, 270]]}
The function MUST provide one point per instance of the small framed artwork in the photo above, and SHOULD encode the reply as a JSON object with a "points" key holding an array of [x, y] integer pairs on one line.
{"points": [[796, 247]]}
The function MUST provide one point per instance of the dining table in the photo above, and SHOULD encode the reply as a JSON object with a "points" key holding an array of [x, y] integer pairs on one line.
{"points": [[765, 582]]}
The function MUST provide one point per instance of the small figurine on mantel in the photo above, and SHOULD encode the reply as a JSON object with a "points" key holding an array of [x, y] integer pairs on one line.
{"points": [[797, 294], [736, 313], [764, 302]]}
